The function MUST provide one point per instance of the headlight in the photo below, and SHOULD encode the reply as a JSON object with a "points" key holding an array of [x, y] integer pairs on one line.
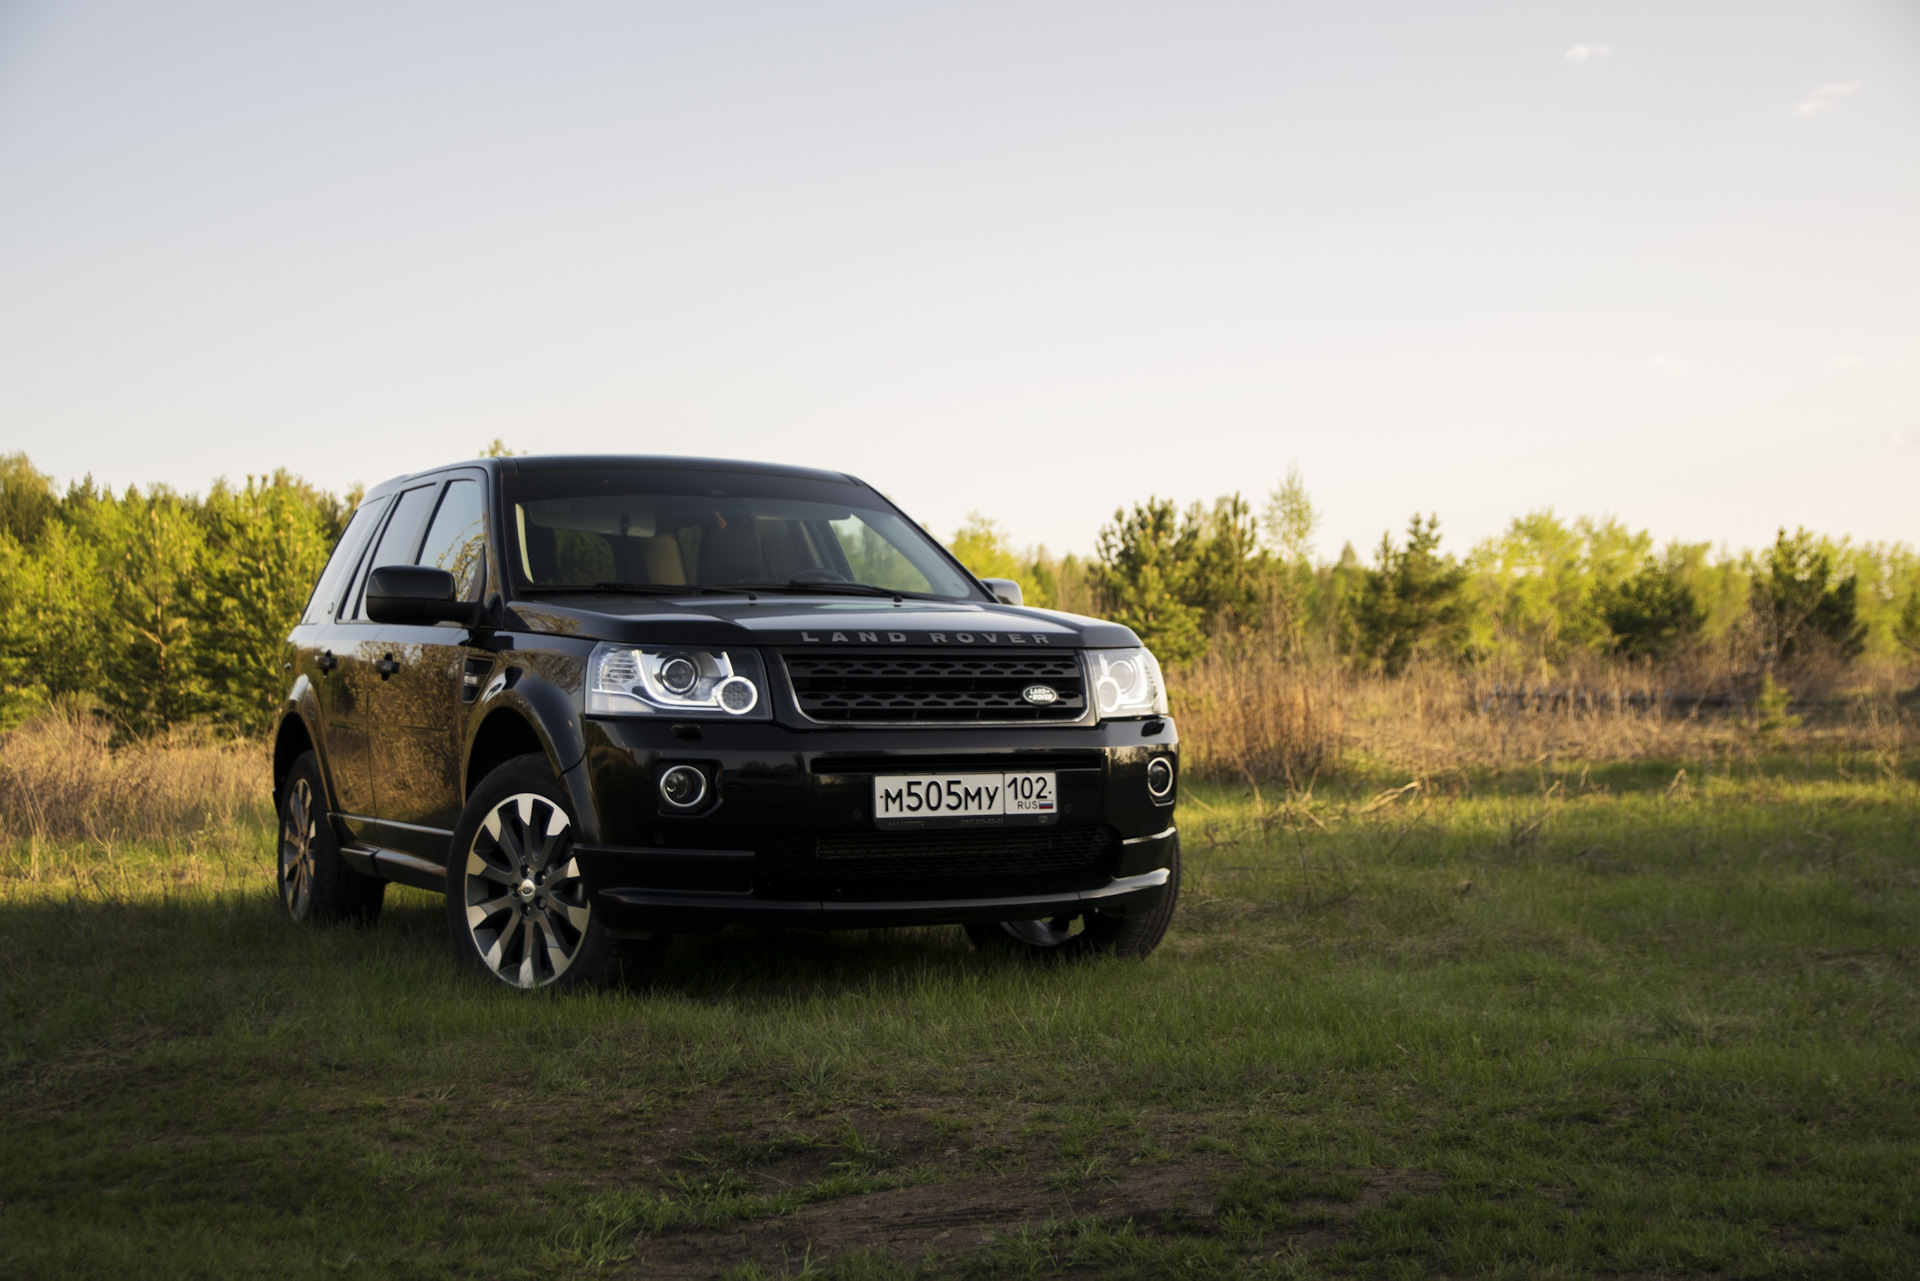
{"points": [[627, 680], [1126, 682]]}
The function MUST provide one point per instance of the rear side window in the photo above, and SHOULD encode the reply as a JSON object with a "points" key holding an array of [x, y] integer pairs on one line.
{"points": [[324, 605], [397, 540], [457, 539]]}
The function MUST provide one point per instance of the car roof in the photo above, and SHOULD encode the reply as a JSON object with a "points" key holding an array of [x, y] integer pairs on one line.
{"points": [[611, 462]]}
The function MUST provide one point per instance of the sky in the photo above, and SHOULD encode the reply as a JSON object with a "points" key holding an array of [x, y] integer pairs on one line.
{"points": [[1659, 261]]}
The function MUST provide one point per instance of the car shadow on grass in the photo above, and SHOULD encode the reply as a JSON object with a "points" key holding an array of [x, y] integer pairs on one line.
{"points": [[243, 925], [762, 963], [757, 962]]}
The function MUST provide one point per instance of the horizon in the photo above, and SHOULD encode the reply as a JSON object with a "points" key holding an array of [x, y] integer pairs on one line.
{"points": [[1609, 260], [1718, 551]]}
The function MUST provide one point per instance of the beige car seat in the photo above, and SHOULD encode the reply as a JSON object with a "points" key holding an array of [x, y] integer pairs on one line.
{"points": [[664, 564]]}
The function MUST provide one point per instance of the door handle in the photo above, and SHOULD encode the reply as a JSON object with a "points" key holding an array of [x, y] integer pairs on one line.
{"points": [[326, 662], [386, 667]]}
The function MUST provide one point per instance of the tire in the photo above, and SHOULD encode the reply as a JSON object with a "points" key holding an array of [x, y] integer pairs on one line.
{"points": [[516, 906], [1086, 934], [316, 885]]}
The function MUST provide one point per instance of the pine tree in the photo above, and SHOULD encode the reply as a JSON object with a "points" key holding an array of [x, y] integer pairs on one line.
{"points": [[1411, 604], [149, 547], [1906, 628], [1145, 578], [264, 550], [1798, 600], [1229, 565], [1651, 614]]}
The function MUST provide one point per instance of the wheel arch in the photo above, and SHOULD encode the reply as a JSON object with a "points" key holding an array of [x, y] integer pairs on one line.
{"points": [[503, 734], [523, 713], [293, 737]]}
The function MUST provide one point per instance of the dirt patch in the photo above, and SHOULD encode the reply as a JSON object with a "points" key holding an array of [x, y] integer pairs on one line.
{"points": [[957, 1216], [1319, 1221]]}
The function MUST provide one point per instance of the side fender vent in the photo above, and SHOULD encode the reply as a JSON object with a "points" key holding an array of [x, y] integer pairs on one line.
{"points": [[472, 677]]}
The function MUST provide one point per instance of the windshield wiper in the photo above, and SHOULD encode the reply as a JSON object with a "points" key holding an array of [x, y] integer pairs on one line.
{"points": [[644, 589], [832, 589], [672, 589]]}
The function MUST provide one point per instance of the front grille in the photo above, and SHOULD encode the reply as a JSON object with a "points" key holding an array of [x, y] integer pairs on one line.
{"points": [[883, 866], [935, 689]]}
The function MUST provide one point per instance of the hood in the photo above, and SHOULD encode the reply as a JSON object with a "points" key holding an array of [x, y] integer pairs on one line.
{"points": [[812, 620]]}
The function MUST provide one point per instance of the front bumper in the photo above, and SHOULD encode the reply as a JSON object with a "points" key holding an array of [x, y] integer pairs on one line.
{"points": [[637, 911], [787, 838], [712, 889]]}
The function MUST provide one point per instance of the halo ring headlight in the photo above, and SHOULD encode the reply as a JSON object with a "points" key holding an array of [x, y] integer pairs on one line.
{"points": [[736, 695], [1127, 682], [633, 680]]}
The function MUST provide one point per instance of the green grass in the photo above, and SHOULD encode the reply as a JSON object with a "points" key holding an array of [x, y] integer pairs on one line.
{"points": [[1569, 1025]]}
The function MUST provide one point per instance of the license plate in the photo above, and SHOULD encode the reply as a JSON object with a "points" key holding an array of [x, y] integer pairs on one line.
{"points": [[964, 800]]}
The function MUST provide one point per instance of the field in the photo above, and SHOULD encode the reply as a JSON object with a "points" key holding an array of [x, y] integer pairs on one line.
{"points": [[1571, 1019]]}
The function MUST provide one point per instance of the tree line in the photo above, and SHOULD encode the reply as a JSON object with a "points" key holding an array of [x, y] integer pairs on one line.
{"points": [[1544, 594], [166, 609]]}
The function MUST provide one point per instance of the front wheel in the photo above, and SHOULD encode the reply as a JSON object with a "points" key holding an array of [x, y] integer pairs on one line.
{"points": [[1082, 934], [516, 905]]}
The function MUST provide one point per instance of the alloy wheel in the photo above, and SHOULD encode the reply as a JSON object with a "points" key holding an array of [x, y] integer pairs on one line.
{"points": [[526, 907], [297, 829]]}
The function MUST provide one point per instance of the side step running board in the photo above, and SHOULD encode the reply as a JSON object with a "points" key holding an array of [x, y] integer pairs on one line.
{"points": [[395, 865]]}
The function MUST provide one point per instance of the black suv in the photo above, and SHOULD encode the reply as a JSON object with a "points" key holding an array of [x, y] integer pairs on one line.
{"points": [[597, 702]]}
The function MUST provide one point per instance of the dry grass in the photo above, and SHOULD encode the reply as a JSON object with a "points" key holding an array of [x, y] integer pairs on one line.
{"points": [[1247, 712], [1250, 712], [61, 780]]}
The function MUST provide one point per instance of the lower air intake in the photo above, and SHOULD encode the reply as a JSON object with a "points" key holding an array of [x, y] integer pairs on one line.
{"points": [[880, 866]]}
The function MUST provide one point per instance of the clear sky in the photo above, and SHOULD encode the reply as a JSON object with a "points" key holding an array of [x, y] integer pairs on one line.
{"points": [[1659, 260]]}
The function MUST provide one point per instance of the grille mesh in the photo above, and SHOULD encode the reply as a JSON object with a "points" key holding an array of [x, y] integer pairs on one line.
{"points": [[880, 865], [843, 688]]}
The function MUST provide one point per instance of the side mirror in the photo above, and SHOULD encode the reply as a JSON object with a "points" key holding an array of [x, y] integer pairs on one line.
{"points": [[417, 594], [1004, 590]]}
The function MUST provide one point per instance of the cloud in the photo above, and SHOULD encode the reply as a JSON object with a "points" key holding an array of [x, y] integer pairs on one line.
{"points": [[1669, 366], [1824, 99], [1841, 362], [1588, 53]]}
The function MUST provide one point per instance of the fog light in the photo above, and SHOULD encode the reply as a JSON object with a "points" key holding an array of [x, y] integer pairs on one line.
{"points": [[683, 787], [1160, 777]]}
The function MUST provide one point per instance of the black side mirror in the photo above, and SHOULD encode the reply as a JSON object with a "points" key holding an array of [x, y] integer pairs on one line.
{"points": [[417, 594]]}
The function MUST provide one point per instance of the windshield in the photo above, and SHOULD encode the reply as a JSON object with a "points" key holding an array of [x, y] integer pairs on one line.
{"points": [[661, 528]]}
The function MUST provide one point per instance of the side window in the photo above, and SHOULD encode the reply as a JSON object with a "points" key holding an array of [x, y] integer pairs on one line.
{"points": [[397, 541], [324, 605], [457, 539]]}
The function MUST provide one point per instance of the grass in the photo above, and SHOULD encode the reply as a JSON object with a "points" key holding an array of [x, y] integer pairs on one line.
{"points": [[1249, 709], [1598, 1021]]}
